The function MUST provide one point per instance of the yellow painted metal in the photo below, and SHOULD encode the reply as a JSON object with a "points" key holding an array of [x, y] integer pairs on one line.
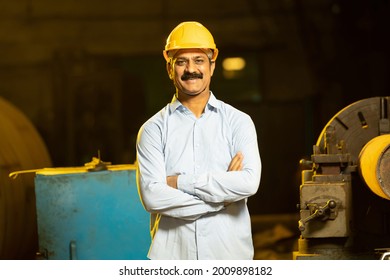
{"points": [[374, 165]]}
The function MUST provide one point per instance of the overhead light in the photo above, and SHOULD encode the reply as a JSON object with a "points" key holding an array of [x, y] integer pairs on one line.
{"points": [[233, 64]]}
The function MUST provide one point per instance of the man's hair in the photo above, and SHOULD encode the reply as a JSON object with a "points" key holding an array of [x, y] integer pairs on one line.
{"points": [[208, 52]]}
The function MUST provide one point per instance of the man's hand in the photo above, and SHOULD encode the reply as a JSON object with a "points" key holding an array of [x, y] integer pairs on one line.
{"points": [[236, 162], [172, 181]]}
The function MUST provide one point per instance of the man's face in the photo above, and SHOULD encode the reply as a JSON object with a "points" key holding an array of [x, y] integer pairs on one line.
{"points": [[191, 71]]}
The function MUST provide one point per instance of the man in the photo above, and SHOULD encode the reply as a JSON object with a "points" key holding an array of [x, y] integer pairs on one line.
{"points": [[197, 160]]}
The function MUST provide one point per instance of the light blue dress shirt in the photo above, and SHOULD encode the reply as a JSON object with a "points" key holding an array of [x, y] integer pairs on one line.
{"points": [[207, 216]]}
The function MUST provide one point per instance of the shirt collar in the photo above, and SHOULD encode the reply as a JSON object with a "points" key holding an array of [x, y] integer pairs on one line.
{"points": [[212, 103], [175, 103]]}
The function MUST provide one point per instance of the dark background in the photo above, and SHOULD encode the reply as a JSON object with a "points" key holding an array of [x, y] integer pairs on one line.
{"points": [[89, 73]]}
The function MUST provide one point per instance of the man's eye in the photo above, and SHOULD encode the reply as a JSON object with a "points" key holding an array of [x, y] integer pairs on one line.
{"points": [[199, 61], [180, 62]]}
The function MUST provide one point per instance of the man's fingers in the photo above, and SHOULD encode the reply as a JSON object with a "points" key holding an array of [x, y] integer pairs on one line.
{"points": [[172, 181], [236, 162]]}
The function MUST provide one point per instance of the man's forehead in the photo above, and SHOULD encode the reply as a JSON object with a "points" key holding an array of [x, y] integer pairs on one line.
{"points": [[190, 53]]}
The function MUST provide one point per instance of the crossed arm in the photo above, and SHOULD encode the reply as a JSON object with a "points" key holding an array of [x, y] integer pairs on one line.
{"points": [[235, 165], [189, 196], [194, 206]]}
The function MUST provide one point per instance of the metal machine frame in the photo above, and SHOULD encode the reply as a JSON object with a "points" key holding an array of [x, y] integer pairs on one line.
{"points": [[340, 216]]}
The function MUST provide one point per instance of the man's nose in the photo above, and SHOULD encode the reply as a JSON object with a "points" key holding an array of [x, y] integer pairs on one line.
{"points": [[191, 67]]}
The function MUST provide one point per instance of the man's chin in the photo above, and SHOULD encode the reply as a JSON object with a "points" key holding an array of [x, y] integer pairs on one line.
{"points": [[193, 93]]}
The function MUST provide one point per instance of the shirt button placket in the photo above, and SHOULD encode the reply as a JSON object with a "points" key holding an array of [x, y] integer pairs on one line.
{"points": [[196, 148]]}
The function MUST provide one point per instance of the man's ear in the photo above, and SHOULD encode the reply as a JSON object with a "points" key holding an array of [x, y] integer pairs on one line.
{"points": [[212, 67], [169, 70]]}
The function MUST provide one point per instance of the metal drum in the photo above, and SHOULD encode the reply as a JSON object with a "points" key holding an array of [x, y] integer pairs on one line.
{"points": [[21, 148]]}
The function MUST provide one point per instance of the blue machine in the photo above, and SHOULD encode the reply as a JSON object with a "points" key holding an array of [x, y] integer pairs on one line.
{"points": [[91, 215]]}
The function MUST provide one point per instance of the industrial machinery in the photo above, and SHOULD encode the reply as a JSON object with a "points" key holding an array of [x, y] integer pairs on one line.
{"points": [[91, 212], [345, 190]]}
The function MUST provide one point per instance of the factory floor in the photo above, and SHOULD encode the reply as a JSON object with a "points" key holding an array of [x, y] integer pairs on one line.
{"points": [[275, 236]]}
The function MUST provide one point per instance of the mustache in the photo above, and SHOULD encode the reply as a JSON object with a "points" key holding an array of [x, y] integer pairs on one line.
{"points": [[187, 75]]}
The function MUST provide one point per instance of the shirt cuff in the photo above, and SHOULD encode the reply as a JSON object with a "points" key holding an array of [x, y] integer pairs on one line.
{"points": [[189, 183]]}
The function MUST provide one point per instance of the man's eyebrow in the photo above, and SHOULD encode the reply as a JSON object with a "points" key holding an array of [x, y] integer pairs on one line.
{"points": [[193, 57]]}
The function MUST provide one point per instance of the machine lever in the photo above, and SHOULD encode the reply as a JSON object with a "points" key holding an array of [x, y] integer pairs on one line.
{"points": [[320, 211]]}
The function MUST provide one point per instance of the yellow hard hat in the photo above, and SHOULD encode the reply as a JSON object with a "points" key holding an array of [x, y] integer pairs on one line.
{"points": [[190, 35]]}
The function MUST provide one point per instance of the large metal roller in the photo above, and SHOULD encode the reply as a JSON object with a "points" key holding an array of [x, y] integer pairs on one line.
{"points": [[374, 165], [21, 148]]}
